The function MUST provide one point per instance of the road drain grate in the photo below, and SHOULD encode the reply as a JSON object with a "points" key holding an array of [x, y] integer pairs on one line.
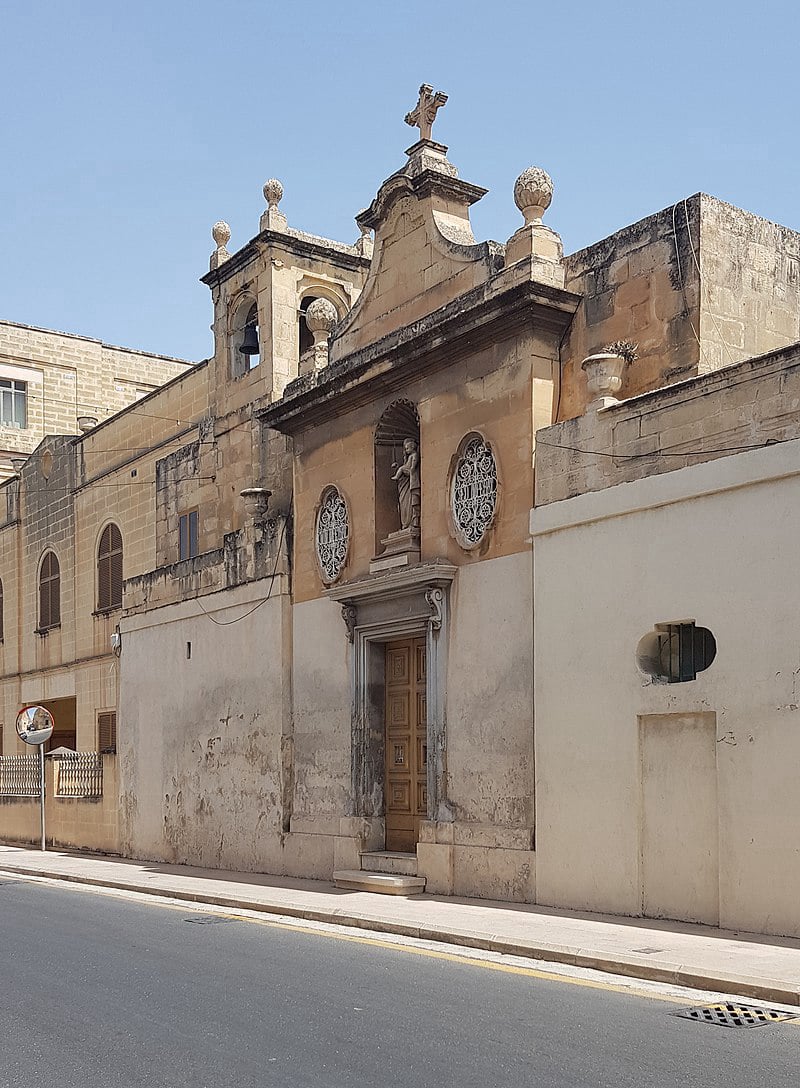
{"points": [[728, 1015], [207, 919]]}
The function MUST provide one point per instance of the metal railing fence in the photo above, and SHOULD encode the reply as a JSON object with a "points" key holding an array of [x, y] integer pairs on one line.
{"points": [[80, 776], [19, 776]]}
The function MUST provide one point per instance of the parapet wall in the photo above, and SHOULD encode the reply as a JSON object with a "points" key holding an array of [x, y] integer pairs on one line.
{"points": [[752, 404]]}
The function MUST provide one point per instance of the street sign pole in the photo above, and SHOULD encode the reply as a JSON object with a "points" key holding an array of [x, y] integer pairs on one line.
{"points": [[41, 789], [35, 725]]}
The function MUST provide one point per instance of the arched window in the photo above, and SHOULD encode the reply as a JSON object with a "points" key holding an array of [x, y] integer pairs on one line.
{"points": [[49, 593], [109, 569], [2, 632]]}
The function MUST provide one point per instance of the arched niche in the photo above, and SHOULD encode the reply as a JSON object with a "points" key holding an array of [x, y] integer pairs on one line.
{"points": [[398, 423]]}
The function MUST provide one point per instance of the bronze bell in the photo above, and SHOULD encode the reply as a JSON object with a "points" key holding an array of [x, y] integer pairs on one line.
{"points": [[250, 342]]}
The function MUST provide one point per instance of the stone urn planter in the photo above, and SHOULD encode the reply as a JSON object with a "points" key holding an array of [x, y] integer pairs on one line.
{"points": [[603, 377], [256, 501]]}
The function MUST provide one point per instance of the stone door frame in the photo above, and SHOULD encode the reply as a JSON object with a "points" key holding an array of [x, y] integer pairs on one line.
{"points": [[381, 608]]}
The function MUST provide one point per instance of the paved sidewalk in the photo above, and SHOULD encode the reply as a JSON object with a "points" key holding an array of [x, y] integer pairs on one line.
{"points": [[746, 964]]}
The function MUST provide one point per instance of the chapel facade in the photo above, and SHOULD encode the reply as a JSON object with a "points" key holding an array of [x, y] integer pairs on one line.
{"points": [[335, 648]]}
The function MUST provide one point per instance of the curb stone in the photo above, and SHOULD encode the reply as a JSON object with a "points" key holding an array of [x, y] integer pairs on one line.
{"points": [[762, 989]]}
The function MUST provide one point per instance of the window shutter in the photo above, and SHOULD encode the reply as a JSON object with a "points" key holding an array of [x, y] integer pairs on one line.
{"points": [[49, 593], [109, 569], [115, 578], [2, 632], [107, 731], [44, 595]]}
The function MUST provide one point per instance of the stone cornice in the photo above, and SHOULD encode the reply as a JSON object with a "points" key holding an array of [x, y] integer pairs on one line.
{"points": [[479, 317], [304, 245], [394, 583], [423, 184]]}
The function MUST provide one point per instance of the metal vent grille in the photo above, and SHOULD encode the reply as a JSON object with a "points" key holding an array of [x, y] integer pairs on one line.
{"points": [[729, 1015]]}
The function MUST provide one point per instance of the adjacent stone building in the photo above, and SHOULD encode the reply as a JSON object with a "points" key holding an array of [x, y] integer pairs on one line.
{"points": [[445, 569], [60, 383]]}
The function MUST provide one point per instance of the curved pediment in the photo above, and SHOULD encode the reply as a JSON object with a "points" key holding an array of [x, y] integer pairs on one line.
{"points": [[425, 254]]}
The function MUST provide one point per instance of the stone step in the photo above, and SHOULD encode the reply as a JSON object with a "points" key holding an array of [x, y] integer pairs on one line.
{"points": [[386, 883], [389, 861]]}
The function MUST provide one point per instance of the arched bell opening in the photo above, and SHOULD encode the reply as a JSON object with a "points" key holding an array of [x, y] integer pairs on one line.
{"points": [[244, 339]]}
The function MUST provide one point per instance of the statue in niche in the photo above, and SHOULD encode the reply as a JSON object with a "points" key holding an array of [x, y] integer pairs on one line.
{"points": [[409, 491]]}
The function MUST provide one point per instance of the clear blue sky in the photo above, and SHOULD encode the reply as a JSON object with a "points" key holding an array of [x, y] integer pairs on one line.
{"points": [[129, 128]]}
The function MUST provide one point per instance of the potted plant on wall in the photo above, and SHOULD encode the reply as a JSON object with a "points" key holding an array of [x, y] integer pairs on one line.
{"points": [[604, 370]]}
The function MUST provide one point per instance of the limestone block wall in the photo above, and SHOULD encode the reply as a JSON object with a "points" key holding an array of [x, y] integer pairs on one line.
{"points": [[70, 376], [495, 392], [275, 275], [87, 823], [117, 464], [640, 284], [751, 285], [751, 404], [694, 780], [698, 286], [106, 475]]}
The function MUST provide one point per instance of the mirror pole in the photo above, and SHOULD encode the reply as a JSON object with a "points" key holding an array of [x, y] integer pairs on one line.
{"points": [[41, 788]]}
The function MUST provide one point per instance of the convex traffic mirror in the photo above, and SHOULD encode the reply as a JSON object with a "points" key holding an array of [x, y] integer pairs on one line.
{"points": [[35, 724]]}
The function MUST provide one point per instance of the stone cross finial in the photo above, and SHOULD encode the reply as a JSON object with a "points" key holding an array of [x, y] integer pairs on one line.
{"points": [[424, 113]]}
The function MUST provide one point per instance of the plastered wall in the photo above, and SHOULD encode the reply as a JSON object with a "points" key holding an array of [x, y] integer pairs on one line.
{"points": [[711, 544]]}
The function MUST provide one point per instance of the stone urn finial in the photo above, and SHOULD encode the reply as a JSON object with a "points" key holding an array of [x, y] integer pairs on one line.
{"points": [[321, 319], [603, 377], [535, 242], [533, 191], [273, 218], [221, 233], [273, 192], [256, 503]]}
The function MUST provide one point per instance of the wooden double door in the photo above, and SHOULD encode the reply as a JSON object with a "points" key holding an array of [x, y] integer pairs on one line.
{"points": [[406, 743]]}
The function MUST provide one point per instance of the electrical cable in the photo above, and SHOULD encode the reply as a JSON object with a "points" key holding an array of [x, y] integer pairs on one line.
{"points": [[660, 453], [228, 623], [680, 276]]}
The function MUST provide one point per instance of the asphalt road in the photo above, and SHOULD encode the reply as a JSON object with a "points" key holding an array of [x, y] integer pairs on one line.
{"points": [[97, 990]]}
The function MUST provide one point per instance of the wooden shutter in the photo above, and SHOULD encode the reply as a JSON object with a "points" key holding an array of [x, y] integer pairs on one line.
{"points": [[2, 632], [49, 593], [109, 569], [107, 731]]}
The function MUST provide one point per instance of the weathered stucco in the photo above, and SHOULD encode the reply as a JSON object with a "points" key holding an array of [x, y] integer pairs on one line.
{"points": [[705, 543], [202, 754]]}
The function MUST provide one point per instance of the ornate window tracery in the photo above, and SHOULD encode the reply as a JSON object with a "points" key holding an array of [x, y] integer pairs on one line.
{"points": [[332, 534], [473, 492]]}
